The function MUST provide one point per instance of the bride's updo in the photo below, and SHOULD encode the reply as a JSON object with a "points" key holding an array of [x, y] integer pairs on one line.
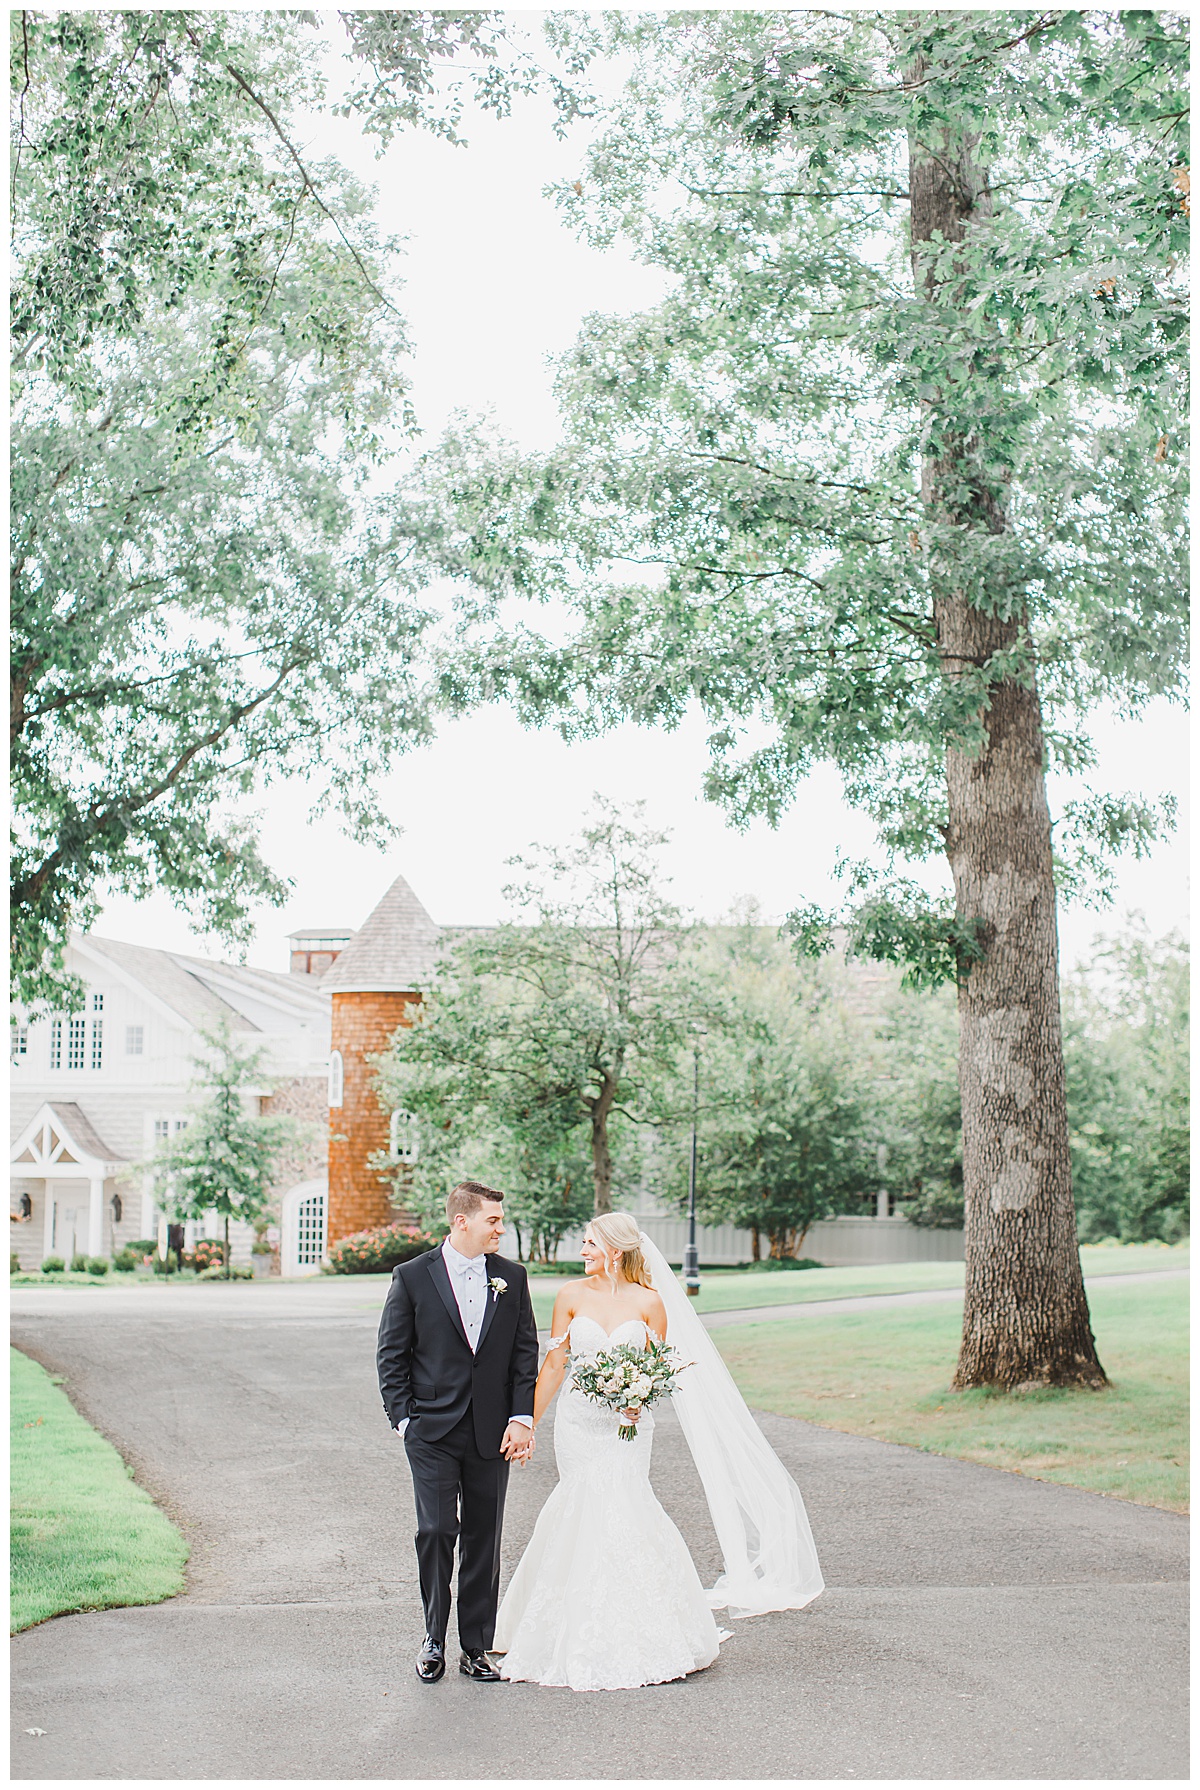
{"points": [[619, 1230]]}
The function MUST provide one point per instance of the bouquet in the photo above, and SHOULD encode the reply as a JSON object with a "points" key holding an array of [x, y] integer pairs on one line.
{"points": [[627, 1378]]}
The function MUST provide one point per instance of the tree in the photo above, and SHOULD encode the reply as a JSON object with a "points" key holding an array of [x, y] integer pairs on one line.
{"points": [[921, 1108], [563, 1022], [224, 1160], [1126, 1016], [208, 370], [902, 454], [789, 1131]]}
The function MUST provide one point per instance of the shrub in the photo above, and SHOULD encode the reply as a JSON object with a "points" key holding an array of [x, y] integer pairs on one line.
{"points": [[53, 1264], [125, 1261], [217, 1272], [141, 1247], [97, 1265], [377, 1251], [79, 1264], [208, 1253]]}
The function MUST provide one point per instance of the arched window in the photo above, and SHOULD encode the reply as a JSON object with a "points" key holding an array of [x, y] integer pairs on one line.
{"points": [[402, 1137], [336, 1077]]}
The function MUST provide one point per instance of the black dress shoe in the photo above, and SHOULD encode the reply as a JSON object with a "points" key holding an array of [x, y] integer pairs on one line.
{"points": [[431, 1661], [474, 1663]]}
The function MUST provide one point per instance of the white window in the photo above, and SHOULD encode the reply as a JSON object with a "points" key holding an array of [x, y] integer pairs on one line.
{"points": [[97, 1044], [76, 1040], [336, 1078], [97, 1003], [56, 1029], [20, 1042], [402, 1137], [134, 1040], [310, 1231]]}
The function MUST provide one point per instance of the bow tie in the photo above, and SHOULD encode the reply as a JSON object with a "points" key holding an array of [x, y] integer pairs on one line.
{"points": [[467, 1266]]}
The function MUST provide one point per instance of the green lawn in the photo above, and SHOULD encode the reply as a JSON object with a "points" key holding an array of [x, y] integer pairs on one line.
{"points": [[886, 1373], [84, 1536], [735, 1289]]}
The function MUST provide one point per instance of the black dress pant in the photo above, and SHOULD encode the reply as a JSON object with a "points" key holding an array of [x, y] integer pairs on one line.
{"points": [[460, 1497]]}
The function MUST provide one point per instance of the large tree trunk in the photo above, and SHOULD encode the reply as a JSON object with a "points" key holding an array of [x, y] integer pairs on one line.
{"points": [[601, 1155], [1025, 1318]]}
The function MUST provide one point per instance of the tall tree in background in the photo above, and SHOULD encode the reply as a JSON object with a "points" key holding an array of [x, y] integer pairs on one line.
{"points": [[1126, 1016], [208, 367], [903, 453], [224, 1160], [789, 1125], [568, 1019]]}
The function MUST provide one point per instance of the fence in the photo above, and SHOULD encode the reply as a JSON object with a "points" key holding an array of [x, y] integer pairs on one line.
{"points": [[836, 1242]]}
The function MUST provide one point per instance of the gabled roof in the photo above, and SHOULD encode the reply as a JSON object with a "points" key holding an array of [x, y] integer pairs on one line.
{"points": [[393, 952], [170, 980], [299, 996], [61, 1136]]}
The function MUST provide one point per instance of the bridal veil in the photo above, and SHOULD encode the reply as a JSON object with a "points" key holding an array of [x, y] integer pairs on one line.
{"points": [[757, 1511]]}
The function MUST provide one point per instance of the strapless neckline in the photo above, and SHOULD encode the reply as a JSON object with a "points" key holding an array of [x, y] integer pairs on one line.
{"points": [[608, 1335]]}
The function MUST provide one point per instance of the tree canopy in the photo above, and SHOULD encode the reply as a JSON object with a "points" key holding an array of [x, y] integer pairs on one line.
{"points": [[208, 372], [894, 477]]}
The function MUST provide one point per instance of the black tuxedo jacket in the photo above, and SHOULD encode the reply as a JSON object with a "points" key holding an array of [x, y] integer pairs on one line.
{"points": [[427, 1371]]}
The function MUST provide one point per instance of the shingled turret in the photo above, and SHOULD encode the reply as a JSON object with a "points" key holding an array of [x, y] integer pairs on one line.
{"points": [[375, 983]]}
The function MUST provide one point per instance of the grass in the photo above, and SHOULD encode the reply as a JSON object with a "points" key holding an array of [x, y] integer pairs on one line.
{"points": [[886, 1373], [736, 1289], [84, 1536]]}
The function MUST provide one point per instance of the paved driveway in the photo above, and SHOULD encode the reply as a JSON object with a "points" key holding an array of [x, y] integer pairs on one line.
{"points": [[977, 1625]]}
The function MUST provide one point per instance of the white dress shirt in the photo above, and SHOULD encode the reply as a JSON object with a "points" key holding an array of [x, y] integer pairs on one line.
{"points": [[469, 1282]]}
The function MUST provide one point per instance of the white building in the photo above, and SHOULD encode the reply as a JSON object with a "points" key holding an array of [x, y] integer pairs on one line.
{"points": [[94, 1091]]}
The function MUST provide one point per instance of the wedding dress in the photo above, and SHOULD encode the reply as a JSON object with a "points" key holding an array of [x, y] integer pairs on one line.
{"points": [[605, 1596]]}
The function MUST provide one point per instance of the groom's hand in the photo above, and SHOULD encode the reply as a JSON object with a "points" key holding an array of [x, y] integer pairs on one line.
{"points": [[518, 1443]]}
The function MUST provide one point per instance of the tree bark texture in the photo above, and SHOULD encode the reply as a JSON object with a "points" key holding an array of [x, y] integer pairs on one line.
{"points": [[1025, 1317], [601, 1154]]}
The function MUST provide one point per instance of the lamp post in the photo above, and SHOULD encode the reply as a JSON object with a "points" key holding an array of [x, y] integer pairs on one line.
{"points": [[691, 1259]]}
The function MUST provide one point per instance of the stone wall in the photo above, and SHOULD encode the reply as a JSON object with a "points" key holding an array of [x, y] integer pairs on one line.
{"points": [[306, 1099]]}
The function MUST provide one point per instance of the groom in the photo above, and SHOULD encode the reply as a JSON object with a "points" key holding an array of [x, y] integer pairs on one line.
{"points": [[458, 1357]]}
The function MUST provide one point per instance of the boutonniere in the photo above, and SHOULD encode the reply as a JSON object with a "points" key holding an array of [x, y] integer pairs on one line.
{"points": [[498, 1286]]}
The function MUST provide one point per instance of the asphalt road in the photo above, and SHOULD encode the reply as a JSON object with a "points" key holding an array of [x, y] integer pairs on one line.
{"points": [[977, 1625]]}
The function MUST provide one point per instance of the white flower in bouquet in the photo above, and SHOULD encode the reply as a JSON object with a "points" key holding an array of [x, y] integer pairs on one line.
{"points": [[628, 1379]]}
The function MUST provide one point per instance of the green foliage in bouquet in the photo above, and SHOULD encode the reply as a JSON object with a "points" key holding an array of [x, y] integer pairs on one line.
{"points": [[627, 1379]]}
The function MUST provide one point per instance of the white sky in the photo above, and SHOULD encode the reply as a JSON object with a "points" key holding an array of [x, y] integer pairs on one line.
{"points": [[494, 286]]}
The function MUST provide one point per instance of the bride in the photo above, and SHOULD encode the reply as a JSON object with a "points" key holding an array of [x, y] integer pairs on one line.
{"points": [[606, 1597]]}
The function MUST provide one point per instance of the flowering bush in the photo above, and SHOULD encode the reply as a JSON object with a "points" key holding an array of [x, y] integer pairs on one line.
{"points": [[208, 1253], [377, 1251]]}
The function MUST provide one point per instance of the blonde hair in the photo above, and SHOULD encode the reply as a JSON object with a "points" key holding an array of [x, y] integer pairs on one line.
{"points": [[619, 1230]]}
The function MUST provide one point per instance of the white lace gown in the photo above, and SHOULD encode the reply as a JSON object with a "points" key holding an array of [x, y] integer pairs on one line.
{"points": [[605, 1597]]}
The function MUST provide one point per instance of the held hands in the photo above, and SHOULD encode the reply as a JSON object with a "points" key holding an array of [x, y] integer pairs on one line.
{"points": [[518, 1444]]}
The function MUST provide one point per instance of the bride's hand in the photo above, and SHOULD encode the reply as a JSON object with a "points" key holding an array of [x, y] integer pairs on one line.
{"points": [[632, 1415]]}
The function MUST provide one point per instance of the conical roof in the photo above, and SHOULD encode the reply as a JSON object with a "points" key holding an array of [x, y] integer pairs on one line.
{"points": [[394, 952]]}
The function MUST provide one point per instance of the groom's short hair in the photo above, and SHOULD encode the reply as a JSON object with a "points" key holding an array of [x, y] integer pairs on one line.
{"points": [[467, 1197]]}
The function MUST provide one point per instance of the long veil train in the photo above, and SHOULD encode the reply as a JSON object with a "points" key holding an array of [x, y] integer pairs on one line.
{"points": [[757, 1511]]}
